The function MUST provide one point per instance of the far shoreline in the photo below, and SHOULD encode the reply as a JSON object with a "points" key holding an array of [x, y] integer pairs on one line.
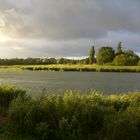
{"points": [[73, 68]]}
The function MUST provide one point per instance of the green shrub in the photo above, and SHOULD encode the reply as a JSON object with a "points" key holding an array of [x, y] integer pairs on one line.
{"points": [[138, 63], [9, 93], [73, 116], [126, 60], [125, 125]]}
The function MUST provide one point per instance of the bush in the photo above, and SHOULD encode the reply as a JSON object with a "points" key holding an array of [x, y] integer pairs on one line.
{"points": [[138, 63], [9, 93], [55, 117], [73, 116], [126, 60], [125, 125], [105, 55]]}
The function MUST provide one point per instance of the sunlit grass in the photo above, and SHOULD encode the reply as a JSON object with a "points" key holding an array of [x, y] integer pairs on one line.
{"points": [[82, 68], [70, 116]]}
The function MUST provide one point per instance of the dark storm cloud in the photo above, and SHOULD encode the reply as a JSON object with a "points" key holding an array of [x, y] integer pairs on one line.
{"points": [[71, 24]]}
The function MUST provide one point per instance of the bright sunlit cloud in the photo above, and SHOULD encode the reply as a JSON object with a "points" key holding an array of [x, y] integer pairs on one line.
{"points": [[4, 38]]}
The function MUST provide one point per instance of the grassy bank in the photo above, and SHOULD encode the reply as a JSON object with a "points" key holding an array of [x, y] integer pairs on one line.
{"points": [[70, 116], [82, 68]]}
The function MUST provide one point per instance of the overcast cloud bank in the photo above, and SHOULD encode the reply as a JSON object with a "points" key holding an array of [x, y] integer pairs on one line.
{"points": [[51, 28]]}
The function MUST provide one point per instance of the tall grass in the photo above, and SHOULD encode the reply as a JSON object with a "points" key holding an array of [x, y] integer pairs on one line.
{"points": [[69, 116], [77, 117], [9, 93], [87, 68], [82, 68]]}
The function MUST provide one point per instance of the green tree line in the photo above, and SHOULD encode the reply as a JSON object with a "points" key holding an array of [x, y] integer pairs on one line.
{"points": [[105, 56]]}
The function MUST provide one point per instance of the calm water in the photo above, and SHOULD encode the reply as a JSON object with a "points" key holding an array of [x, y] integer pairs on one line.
{"points": [[37, 81]]}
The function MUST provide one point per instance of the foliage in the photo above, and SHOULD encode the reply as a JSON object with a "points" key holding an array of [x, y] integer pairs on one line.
{"points": [[124, 125], [80, 68], [119, 49], [73, 116], [130, 52], [138, 63], [126, 59], [41, 61], [84, 61], [105, 55], [91, 55], [8, 93], [11, 137]]}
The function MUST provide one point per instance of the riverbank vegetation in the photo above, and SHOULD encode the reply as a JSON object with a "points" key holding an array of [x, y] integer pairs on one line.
{"points": [[68, 67], [83, 68], [107, 55], [105, 60], [69, 116]]}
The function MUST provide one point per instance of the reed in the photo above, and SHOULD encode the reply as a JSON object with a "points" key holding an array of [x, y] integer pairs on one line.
{"points": [[80, 68], [73, 116]]}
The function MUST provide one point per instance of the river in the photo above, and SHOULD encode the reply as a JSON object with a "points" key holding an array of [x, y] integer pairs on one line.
{"points": [[37, 81]]}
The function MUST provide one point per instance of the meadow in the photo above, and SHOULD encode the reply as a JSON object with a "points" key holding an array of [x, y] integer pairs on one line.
{"points": [[68, 116], [77, 67]]}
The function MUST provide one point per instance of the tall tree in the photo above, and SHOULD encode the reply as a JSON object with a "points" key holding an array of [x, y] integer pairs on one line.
{"points": [[119, 48], [105, 55], [91, 55], [129, 52]]}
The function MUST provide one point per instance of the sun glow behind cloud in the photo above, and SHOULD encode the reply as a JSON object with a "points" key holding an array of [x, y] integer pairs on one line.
{"points": [[47, 28], [4, 38]]}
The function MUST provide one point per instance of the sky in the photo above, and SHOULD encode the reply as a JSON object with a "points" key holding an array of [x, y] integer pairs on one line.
{"points": [[67, 28]]}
